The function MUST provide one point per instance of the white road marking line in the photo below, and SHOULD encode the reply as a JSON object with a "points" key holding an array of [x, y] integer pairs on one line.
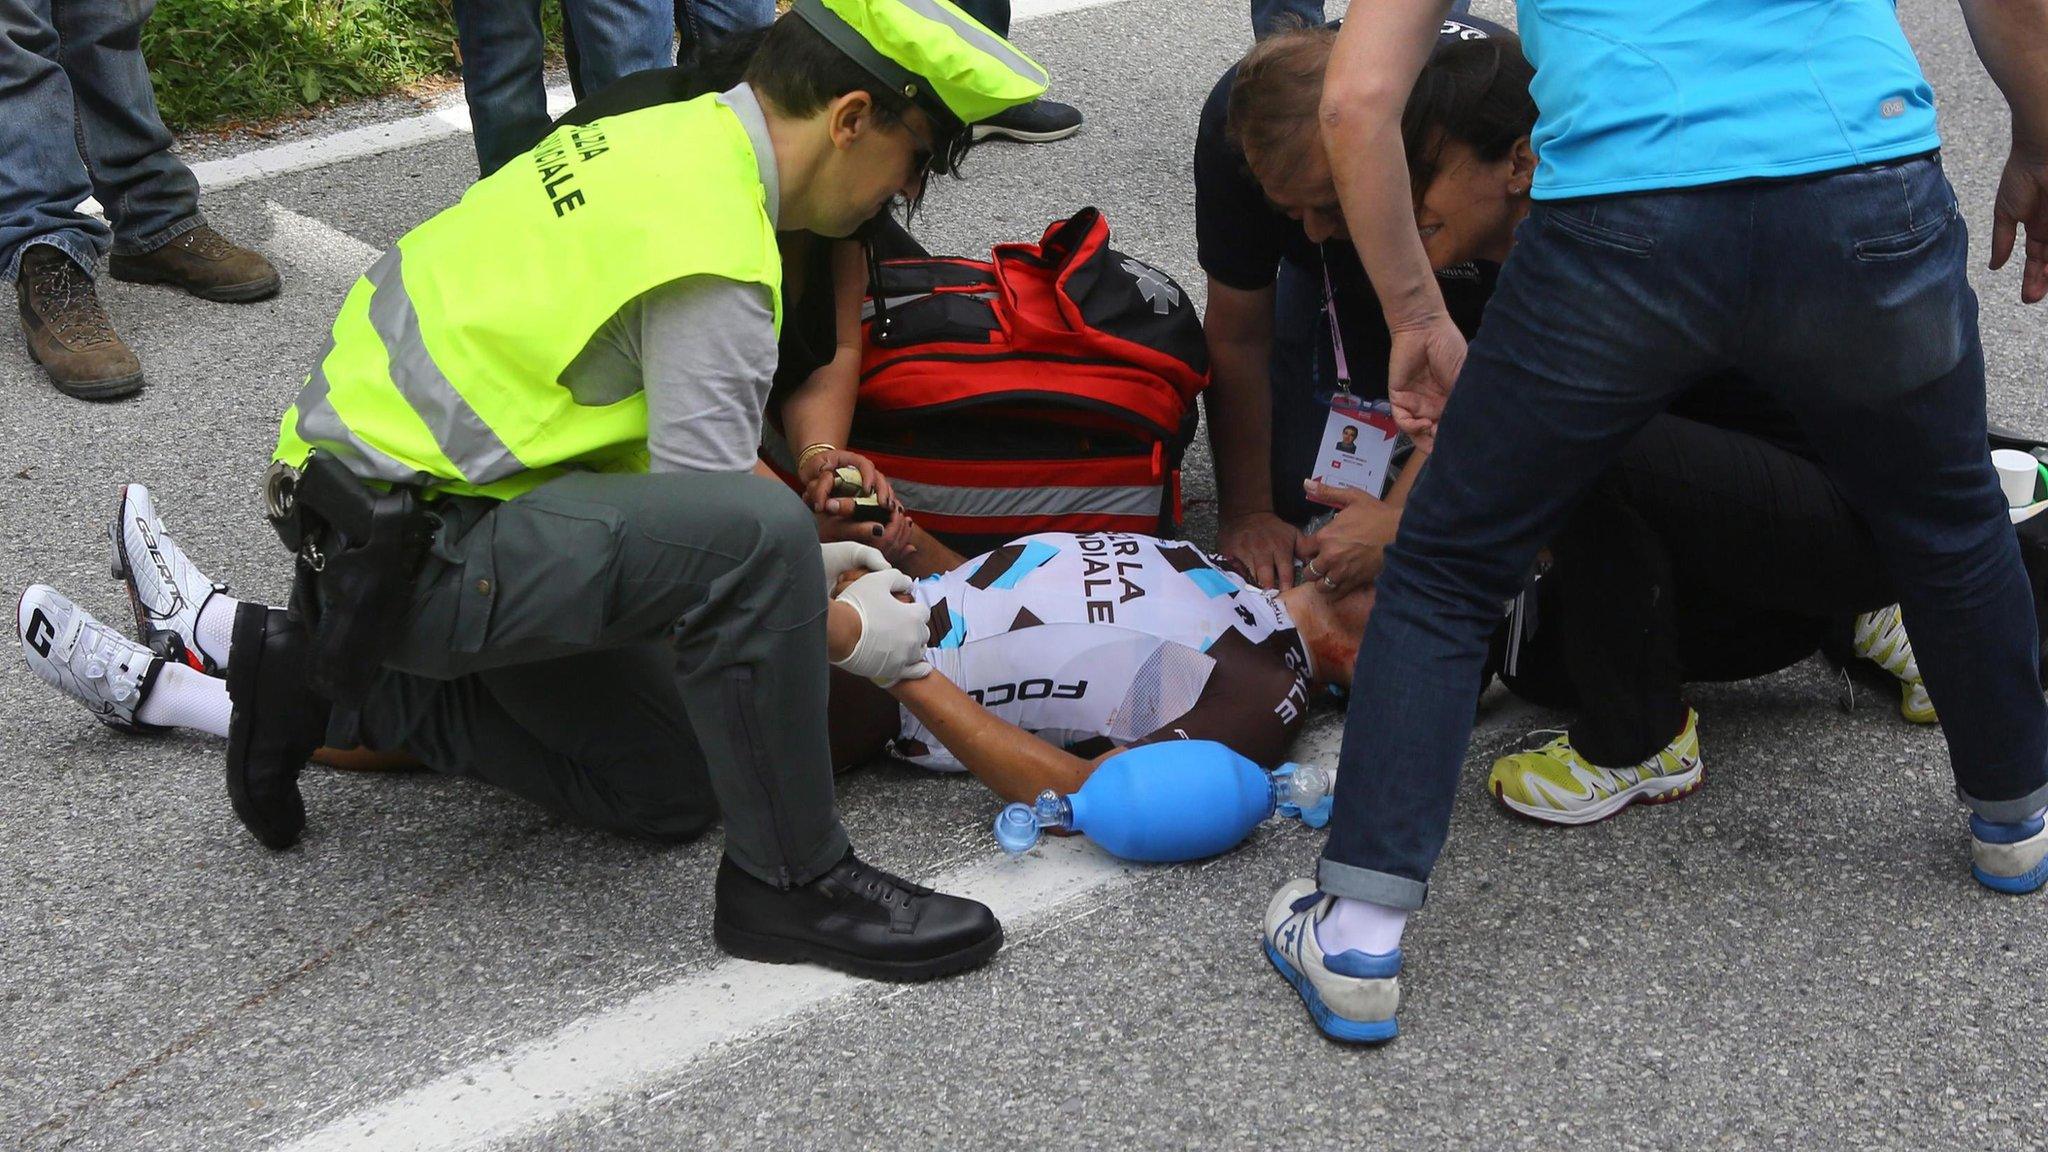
{"points": [[659, 1033], [1024, 10], [315, 248], [439, 124], [352, 144]]}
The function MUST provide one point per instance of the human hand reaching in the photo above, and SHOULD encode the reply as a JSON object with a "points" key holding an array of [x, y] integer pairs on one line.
{"points": [[816, 476], [2022, 203], [836, 523], [1421, 369], [893, 633], [1264, 542], [1348, 552]]}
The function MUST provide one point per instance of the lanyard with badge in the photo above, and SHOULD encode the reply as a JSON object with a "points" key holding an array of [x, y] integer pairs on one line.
{"points": [[1357, 447]]}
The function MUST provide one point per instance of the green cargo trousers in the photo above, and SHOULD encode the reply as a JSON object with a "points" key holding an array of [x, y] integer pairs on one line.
{"points": [[637, 652]]}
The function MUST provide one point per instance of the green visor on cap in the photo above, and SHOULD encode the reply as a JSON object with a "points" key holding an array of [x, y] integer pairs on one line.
{"points": [[932, 53]]}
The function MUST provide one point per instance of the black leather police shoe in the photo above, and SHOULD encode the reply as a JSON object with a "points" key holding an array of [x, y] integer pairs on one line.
{"points": [[854, 918], [276, 724]]}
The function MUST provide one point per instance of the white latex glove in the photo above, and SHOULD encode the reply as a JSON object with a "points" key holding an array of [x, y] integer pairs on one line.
{"points": [[893, 634], [843, 556]]}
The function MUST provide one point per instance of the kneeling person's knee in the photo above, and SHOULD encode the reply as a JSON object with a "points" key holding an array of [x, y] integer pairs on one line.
{"points": [[674, 826], [664, 800], [788, 531], [784, 554]]}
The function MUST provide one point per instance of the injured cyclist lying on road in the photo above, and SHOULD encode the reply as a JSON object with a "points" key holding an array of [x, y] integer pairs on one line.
{"points": [[1092, 643], [1050, 655]]}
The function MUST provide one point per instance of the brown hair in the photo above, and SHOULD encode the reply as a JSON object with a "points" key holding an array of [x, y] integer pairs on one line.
{"points": [[1277, 97], [1473, 91]]}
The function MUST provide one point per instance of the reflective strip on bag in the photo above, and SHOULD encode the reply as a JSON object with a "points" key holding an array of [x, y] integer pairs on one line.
{"points": [[867, 307], [948, 500]]}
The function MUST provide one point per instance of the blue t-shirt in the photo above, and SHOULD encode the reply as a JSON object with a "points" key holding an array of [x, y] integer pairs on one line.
{"points": [[1635, 95]]}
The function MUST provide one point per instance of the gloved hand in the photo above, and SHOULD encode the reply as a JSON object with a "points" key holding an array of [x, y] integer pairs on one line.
{"points": [[893, 634], [844, 556]]}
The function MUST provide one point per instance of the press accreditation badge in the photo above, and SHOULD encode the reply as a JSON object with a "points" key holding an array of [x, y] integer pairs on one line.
{"points": [[1357, 445]]}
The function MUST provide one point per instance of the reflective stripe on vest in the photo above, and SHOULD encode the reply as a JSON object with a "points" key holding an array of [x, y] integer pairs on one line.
{"points": [[468, 443], [318, 423], [464, 438]]}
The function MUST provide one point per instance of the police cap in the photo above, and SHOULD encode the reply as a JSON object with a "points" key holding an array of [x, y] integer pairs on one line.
{"points": [[934, 55]]}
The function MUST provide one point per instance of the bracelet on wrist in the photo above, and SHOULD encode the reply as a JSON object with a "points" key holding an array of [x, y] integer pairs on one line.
{"points": [[809, 451]]}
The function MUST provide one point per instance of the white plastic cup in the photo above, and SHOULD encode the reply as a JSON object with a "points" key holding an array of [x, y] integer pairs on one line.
{"points": [[2017, 472]]}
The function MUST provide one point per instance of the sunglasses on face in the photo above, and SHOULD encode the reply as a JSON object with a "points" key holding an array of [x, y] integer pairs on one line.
{"points": [[923, 157]]}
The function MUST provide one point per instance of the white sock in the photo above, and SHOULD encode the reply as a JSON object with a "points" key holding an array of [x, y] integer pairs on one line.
{"points": [[2022, 822], [183, 697], [215, 632], [1361, 926]]}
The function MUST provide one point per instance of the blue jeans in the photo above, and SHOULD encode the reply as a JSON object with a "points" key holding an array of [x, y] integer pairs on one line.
{"points": [[1846, 294], [712, 22], [82, 121], [503, 50], [1270, 16]]}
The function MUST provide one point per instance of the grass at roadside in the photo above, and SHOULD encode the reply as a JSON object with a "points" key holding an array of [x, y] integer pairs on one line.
{"points": [[224, 61]]}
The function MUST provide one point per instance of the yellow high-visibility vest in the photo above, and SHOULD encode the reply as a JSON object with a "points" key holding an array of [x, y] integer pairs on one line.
{"points": [[444, 369]]}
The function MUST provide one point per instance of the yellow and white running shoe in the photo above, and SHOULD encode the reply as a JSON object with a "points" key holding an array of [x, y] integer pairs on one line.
{"points": [[1557, 785], [1881, 639]]}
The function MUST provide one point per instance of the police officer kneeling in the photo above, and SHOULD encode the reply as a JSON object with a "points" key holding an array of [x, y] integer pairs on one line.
{"points": [[530, 549]]}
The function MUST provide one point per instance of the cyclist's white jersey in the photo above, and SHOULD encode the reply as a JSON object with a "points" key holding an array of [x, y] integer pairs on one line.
{"points": [[1116, 637]]}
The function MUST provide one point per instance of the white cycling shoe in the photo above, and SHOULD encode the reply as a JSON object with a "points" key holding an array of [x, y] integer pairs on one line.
{"points": [[167, 591], [84, 659]]}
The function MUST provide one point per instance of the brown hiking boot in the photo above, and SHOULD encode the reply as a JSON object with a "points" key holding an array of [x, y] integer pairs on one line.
{"points": [[68, 332], [204, 263]]}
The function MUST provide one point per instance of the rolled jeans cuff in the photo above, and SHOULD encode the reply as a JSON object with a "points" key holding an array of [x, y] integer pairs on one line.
{"points": [[81, 252], [2006, 811], [1355, 883], [162, 236]]}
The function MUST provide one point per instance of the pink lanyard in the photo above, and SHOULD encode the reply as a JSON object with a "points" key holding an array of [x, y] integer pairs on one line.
{"points": [[1336, 337]]}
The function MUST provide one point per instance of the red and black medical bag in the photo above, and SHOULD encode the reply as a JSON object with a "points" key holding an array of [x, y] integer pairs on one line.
{"points": [[1050, 387]]}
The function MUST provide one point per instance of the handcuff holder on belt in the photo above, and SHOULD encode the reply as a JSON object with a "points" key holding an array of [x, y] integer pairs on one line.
{"points": [[358, 551]]}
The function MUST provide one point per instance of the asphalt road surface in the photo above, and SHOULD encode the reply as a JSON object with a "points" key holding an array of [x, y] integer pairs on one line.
{"points": [[1794, 957]]}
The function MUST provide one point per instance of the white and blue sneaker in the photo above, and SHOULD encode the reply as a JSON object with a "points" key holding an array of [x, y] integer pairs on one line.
{"points": [[2009, 858], [1352, 996]]}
